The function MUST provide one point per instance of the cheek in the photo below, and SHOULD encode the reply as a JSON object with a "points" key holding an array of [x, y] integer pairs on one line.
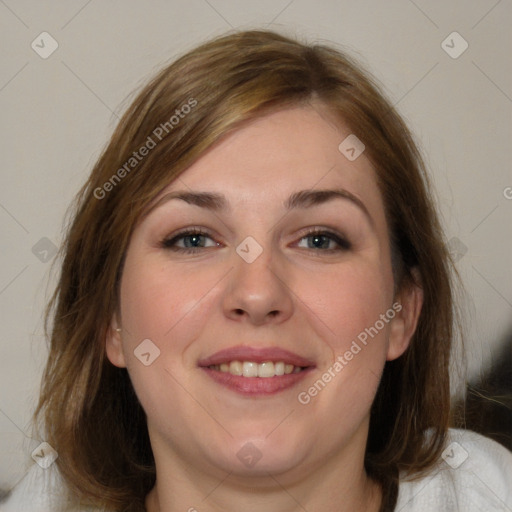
{"points": [[346, 301], [346, 305], [168, 306], [164, 304]]}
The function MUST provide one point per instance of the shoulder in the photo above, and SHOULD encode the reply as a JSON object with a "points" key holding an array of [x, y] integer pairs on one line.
{"points": [[473, 474], [40, 490]]}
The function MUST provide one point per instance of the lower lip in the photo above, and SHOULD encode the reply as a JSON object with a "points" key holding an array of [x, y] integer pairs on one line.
{"points": [[256, 386]]}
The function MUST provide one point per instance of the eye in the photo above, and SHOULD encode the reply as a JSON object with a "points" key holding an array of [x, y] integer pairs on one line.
{"points": [[189, 241], [193, 240], [324, 240]]}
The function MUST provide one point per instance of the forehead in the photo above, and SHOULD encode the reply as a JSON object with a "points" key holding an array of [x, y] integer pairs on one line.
{"points": [[271, 157]]}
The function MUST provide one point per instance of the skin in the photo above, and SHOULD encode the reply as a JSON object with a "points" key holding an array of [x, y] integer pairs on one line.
{"points": [[296, 295]]}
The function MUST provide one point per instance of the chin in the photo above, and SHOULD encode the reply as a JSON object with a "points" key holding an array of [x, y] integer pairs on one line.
{"points": [[258, 455]]}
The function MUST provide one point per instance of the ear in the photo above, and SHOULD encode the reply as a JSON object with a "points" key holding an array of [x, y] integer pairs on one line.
{"points": [[114, 343], [407, 305]]}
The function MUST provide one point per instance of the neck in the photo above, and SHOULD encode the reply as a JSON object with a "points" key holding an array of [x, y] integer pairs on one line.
{"points": [[230, 496], [337, 485]]}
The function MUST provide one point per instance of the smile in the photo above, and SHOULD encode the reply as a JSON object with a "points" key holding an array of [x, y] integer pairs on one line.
{"points": [[256, 371], [253, 369]]}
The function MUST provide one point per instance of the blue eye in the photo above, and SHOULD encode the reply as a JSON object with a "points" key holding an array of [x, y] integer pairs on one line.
{"points": [[325, 241], [189, 241], [194, 240]]}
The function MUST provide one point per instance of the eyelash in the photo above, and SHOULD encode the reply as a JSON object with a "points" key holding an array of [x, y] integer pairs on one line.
{"points": [[169, 243]]}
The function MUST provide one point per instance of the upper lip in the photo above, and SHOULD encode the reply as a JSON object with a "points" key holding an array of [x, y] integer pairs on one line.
{"points": [[256, 355]]}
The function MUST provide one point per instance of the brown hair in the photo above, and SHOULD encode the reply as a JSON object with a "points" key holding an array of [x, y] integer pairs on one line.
{"points": [[91, 414]]}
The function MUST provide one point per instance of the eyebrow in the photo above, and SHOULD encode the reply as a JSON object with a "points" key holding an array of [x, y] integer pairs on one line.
{"points": [[298, 200]]}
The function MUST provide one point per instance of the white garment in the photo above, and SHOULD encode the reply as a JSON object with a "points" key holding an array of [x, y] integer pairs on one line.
{"points": [[474, 475]]}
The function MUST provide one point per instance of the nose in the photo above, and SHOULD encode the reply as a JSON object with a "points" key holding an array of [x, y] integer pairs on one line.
{"points": [[258, 292]]}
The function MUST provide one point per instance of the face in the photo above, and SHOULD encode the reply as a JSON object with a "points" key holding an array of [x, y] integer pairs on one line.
{"points": [[261, 282]]}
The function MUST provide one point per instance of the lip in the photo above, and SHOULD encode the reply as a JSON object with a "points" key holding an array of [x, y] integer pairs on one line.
{"points": [[256, 386], [256, 355]]}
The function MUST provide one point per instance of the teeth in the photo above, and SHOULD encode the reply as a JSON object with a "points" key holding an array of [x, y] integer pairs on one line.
{"points": [[236, 368], [249, 369], [252, 369], [266, 370]]}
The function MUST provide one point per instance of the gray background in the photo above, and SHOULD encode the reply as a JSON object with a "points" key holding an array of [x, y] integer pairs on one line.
{"points": [[58, 113]]}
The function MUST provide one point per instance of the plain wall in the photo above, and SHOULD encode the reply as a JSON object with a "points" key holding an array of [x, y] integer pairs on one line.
{"points": [[58, 113]]}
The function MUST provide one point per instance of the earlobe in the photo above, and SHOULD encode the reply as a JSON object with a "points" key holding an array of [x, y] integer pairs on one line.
{"points": [[405, 322], [114, 344]]}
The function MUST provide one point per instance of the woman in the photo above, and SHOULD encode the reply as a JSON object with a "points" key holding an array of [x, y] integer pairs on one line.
{"points": [[255, 306]]}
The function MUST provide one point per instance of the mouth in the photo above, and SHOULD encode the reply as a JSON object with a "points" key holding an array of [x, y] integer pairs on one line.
{"points": [[264, 370], [256, 371]]}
